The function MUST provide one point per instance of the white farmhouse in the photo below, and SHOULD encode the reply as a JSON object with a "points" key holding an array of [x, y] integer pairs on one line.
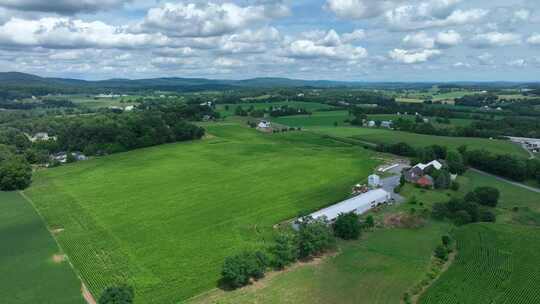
{"points": [[264, 124]]}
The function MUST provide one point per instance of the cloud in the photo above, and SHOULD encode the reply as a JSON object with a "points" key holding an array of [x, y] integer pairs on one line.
{"points": [[462, 65], [440, 40], [413, 56], [534, 39], [448, 39], [412, 17], [419, 40], [67, 7], [518, 63], [329, 45], [495, 39], [54, 33], [358, 9], [485, 59], [209, 19]]}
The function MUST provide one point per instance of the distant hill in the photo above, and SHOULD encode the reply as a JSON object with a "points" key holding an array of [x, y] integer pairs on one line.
{"points": [[11, 80], [27, 83]]}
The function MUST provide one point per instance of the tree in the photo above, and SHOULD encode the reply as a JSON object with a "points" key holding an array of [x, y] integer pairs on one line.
{"points": [[370, 222], [15, 173], [462, 217], [487, 196], [439, 211], [347, 226], [117, 295], [284, 250], [441, 252], [314, 238], [239, 269], [443, 180], [487, 216], [446, 240], [455, 163]]}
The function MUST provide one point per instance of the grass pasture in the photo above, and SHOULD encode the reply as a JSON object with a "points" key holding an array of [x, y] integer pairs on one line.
{"points": [[379, 136], [162, 219], [309, 106], [324, 118], [377, 269], [495, 264], [28, 272]]}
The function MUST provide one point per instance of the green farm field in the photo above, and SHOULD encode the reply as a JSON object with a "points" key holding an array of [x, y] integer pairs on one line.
{"points": [[163, 219], [379, 136], [376, 269], [28, 271], [310, 106], [495, 264], [324, 118]]}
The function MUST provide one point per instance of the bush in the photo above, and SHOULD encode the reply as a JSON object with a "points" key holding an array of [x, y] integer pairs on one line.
{"points": [[347, 226], [455, 186], [441, 253], [439, 211], [462, 217], [370, 222], [446, 240], [238, 270], [487, 196], [314, 238], [284, 250], [117, 295], [487, 216]]}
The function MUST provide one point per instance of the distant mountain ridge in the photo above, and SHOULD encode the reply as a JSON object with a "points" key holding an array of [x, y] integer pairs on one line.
{"points": [[33, 83]]}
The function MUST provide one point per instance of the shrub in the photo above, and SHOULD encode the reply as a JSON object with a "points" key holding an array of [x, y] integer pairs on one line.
{"points": [[455, 186], [239, 269], [347, 226], [487, 216], [487, 196], [462, 217], [284, 250], [370, 221], [446, 240], [117, 295], [314, 238], [441, 253]]}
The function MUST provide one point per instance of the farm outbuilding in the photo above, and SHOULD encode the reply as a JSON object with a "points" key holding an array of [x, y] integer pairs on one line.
{"points": [[358, 204], [374, 180]]}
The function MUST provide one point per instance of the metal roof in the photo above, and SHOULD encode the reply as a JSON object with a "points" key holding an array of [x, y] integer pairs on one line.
{"points": [[359, 204]]}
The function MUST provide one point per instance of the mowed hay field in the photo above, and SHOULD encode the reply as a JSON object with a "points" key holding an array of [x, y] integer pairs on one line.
{"points": [[28, 272], [376, 269], [323, 118], [495, 264], [163, 219], [380, 136]]}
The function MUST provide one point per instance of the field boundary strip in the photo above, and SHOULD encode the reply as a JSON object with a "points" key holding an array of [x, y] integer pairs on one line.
{"points": [[85, 293]]}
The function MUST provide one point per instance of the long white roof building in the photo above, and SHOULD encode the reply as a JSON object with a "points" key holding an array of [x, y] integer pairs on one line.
{"points": [[358, 204]]}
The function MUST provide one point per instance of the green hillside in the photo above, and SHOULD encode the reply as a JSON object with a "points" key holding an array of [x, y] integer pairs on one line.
{"points": [[163, 219]]}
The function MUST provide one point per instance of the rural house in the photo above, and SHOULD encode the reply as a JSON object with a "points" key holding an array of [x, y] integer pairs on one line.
{"points": [[263, 124], [419, 174]]}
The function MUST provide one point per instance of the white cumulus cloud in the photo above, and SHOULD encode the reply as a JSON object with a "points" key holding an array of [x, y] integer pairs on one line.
{"points": [[413, 56], [496, 39], [208, 19]]}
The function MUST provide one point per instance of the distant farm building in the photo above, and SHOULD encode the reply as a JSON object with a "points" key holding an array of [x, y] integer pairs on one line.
{"points": [[42, 136], [386, 124], [264, 125], [358, 204], [374, 181], [419, 174]]}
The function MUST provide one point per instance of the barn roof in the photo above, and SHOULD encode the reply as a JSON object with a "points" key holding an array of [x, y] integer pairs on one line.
{"points": [[360, 204]]}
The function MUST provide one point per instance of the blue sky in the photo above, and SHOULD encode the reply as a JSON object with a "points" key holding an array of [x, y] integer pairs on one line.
{"points": [[361, 40]]}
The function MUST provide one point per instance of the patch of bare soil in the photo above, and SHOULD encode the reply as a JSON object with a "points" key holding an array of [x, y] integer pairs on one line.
{"points": [[59, 258], [87, 295], [57, 231], [403, 220]]}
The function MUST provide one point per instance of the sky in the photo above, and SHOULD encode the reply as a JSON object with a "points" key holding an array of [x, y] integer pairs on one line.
{"points": [[352, 40]]}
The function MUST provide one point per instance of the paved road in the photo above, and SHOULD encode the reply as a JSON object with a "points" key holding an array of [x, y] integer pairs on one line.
{"points": [[507, 181], [389, 184]]}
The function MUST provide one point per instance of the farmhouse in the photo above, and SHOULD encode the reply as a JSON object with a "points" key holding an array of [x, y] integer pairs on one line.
{"points": [[419, 174], [358, 204], [263, 124], [42, 136]]}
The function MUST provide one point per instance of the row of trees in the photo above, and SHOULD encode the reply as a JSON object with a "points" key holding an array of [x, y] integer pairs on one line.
{"points": [[474, 207], [311, 238], [15, 171]]}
